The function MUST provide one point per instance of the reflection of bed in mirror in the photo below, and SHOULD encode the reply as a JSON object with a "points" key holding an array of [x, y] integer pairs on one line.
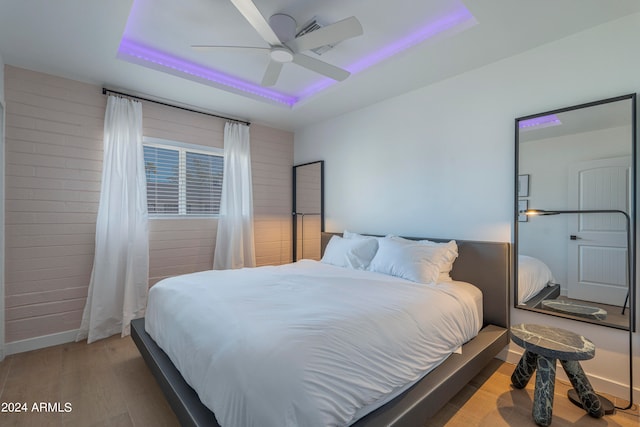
{"points": [[535, 282]]}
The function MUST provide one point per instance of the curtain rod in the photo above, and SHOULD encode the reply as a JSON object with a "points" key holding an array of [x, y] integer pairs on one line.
{"points": [[105, 91]]}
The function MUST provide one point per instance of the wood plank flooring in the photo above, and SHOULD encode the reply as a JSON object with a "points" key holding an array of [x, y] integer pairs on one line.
{"points": [[108, 384]]}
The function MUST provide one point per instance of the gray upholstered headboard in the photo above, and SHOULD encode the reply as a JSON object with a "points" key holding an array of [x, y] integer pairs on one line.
{"points": [[487, 265]]}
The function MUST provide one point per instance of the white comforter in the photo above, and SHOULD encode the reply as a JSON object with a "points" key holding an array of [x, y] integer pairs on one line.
{"points": [[306, 344]]}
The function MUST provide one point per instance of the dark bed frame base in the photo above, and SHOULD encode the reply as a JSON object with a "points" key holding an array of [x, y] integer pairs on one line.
{"points": [[183, 399], [485, 264], [409, 409], [425, 399]]}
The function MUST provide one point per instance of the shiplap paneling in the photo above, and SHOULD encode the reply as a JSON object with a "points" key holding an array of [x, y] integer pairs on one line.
{"points": [[53, 173], [2, 197], [53, 159], [271, 164]]}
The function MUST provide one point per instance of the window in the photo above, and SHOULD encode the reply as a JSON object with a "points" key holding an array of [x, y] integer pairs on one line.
{"points": [[182, 179]]}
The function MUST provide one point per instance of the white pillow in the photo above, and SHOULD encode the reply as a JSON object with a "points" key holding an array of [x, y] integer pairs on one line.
{"points": [[350, 235], [409, 261], [444, 258], [351, 253]]}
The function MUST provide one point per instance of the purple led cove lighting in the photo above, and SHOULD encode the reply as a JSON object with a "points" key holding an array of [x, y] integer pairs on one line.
{"points": [[539, 122], [457, 18], [132, 51], [146, 56]]}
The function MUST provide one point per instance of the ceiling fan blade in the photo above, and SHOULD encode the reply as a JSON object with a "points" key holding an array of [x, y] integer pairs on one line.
{"points": [[272, 73], [238, 49], [334, 33], [320, 67], [257, 21]]}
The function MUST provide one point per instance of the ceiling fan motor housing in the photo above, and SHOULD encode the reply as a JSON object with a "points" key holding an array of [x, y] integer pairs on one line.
{"points": [[284, 26], [284, 47]]}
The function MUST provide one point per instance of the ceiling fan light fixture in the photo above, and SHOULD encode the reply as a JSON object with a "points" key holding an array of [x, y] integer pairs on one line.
{"points": [[281, 54]]}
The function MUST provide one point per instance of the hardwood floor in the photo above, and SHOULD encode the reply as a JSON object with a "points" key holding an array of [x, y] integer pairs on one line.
{"points": [[108, 384], [490, 400]]}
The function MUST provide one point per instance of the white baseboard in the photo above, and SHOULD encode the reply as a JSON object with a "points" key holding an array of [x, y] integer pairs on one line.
{"points": [[600, 384], [40, 342]]}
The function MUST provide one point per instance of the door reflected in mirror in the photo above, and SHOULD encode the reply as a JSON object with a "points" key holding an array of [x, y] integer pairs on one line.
{"points": [[574, 262]]}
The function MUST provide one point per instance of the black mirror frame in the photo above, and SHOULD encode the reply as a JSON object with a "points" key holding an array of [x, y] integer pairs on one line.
{"points": [[632, 281]]}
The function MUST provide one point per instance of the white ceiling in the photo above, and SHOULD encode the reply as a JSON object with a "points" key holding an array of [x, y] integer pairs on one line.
{"points": [[79, 39]]}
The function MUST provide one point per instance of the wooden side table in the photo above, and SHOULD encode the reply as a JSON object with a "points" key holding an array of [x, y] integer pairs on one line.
{"points": [[544, 345]]}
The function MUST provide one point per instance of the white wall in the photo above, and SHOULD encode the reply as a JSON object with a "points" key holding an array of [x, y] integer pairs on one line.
{"points": [[439, 161]]}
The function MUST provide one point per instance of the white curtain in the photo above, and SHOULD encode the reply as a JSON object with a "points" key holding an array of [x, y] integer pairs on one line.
{"points": [[119, 280], [234, 242]]}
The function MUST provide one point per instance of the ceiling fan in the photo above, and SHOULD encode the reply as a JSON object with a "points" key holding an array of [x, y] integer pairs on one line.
{"points": [[285, 47]]}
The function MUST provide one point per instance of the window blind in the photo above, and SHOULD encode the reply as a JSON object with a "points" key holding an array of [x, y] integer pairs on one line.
{"points": [[182, 181]]}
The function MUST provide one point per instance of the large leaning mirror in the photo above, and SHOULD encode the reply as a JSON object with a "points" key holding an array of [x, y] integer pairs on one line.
{"points": [[308, 210], [575, 212]]}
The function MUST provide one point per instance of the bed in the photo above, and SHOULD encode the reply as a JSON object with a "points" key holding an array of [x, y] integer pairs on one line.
{"points": [[485, 264], [535, 282]]}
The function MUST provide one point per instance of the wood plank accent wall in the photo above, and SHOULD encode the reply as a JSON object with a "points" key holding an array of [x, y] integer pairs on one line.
{"points": [[2, 163], [271, 164], [54, 132]]}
